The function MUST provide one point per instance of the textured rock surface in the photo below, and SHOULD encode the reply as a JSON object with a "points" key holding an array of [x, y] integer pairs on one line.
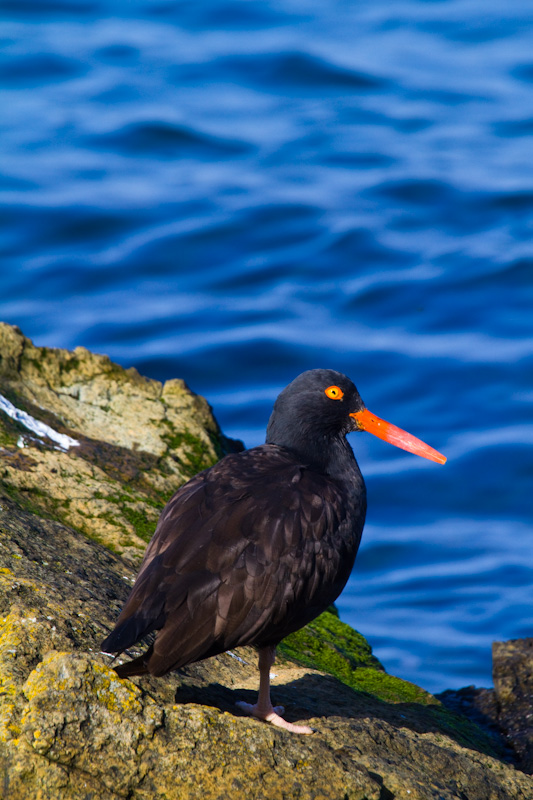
{"points": [[512, 670], [481, 707], [505, 712], [71, 730], [138, 441]]}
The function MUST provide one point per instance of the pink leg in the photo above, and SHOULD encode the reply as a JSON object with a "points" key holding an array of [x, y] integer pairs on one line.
{"points": [[264, 709]]}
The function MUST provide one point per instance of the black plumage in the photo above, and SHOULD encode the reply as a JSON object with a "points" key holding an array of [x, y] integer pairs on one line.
{"points": [[258, 545]]}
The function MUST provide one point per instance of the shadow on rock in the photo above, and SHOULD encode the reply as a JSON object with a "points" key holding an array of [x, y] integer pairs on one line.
{"points": [[318, 697]]}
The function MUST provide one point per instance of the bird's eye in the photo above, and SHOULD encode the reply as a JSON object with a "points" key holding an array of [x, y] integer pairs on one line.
{"points": [[334, 392]]}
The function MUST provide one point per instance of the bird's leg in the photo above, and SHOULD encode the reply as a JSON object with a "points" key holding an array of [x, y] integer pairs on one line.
{"points": [[264, 709]]}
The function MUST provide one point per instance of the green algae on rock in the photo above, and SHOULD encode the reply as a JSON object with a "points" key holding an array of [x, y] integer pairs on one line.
{"points": [[332, 646]]}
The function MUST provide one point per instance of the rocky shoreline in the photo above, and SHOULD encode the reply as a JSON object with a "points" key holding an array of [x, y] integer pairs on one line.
{"points": [[76, 511]]}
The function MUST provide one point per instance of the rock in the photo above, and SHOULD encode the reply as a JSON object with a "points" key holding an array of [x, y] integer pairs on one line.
{"points": [[505, 712], [481, 707], [512, 671], [138, 440], [71, 730]]}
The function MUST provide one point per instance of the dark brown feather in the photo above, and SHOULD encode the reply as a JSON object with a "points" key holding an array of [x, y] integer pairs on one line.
{"points": [[245, 553]]}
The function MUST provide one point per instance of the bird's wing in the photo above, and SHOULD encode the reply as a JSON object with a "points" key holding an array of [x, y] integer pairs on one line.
{"points": [[245, 552]]}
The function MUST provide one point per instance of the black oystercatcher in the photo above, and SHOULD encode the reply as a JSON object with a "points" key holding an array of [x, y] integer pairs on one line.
{"points": [[257, 546]]}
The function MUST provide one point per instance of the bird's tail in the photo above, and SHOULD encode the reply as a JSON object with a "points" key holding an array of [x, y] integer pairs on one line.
{"points": [[137, 666], [128, 632], [123, 636]]}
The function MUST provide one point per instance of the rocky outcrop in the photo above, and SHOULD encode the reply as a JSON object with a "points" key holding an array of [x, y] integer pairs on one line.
{"points": [[74, 519], [512, 670], [117, 444], [505, 712]]}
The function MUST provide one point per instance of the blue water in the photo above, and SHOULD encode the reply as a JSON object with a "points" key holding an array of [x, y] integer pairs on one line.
{"points": [[232, 192]]}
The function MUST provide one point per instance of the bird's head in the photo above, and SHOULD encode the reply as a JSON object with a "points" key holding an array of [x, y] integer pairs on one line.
{"points": [[321, 406]]}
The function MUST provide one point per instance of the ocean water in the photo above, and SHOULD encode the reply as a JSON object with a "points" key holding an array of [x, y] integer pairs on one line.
{"points": [[234, 191]]}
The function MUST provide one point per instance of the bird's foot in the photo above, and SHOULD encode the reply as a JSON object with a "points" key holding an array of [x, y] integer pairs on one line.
{"points": [[273, 715]]}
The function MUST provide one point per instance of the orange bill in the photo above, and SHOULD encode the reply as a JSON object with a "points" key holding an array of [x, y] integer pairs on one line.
{"points": [[367, 421]]}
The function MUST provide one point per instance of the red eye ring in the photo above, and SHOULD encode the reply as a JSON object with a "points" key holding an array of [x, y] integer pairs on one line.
{"points": [[334, 392]]}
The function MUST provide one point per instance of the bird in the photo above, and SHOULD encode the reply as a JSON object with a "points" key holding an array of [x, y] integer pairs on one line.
{"points": [[258, 545]]}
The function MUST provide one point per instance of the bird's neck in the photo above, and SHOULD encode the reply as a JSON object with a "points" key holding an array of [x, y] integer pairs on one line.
{"points": [[330, 454]]}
